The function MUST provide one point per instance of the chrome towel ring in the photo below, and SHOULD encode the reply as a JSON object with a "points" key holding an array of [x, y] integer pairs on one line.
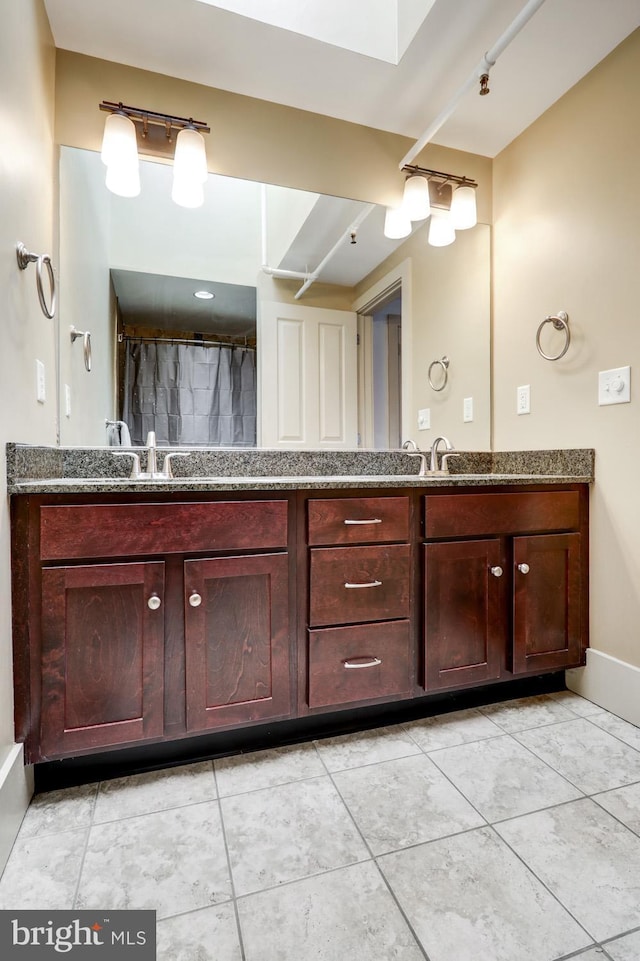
{"points": [[561, 322], [444, 364], [86, 341], [40, 260]]}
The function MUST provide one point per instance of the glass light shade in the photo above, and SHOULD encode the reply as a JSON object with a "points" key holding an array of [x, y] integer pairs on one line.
{"points": [[190, 158], [119, 145], [463, 208], [396, 223], [187, 192], [123, 179], [441, 230], [415, 202]]}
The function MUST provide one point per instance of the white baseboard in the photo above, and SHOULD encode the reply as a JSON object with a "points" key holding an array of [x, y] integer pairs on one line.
{"points": [[613, 684], [16, 789]]}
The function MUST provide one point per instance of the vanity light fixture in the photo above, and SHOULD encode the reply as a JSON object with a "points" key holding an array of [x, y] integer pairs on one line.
{"points": [[130, 129], [449, 199], [441, 230]]}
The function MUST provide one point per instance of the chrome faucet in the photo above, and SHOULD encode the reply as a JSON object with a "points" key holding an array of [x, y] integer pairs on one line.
{"points": [[152, 472], [152, 456], [448, 452], [411, 448]]}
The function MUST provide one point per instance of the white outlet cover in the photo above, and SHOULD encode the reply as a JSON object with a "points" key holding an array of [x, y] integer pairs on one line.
{"points": [[467, 410], [424, 418], [614, 386], [41, 392], [67, 400], [523, 399]]}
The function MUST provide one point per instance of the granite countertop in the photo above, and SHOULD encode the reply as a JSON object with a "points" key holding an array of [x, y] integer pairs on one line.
{"points": [[68, 470]]}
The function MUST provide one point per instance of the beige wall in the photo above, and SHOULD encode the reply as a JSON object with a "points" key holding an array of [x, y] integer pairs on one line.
{"points": [[27, 66], [567, 237]]}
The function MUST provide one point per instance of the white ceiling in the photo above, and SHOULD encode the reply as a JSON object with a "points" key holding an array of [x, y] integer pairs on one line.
{"points": [[198, 41]]}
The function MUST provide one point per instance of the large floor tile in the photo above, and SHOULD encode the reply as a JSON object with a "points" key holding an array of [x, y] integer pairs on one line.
{"points": [[42, 872], [586, 755], [587, 859], [155, 791], [624, 804], [403, 802], [626, 948], [346, 915], [526, 712], [502, 778], [627, 732], [366, 747], [288, 832], [577, 704], [173, 861], [207, 935], [447, 730], [469, 897], [65, 810], [250, 772]]}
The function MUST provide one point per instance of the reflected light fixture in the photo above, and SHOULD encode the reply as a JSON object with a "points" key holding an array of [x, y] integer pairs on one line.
{"points": [[128, 129], [396, 223]]}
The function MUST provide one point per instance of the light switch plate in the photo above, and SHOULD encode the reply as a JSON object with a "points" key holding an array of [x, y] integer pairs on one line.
{"points": [[424, 418], [467, 410], [41, 393], [614, 386], [523, 403]]}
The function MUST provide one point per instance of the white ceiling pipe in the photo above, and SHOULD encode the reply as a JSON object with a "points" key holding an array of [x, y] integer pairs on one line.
{"points": [[274, 271], [285, 274], [485, 65], [364, 213]]}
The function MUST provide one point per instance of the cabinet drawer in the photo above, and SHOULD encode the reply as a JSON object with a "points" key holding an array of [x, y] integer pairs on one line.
{"points": [[471, 515], [348, 664], [135, 529], [354, 584], [358, 520]]}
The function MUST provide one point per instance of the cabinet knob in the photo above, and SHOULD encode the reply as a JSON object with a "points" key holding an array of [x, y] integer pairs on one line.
{"points": [[195, 599], [154, 602], [496, 571], [523, 568]]}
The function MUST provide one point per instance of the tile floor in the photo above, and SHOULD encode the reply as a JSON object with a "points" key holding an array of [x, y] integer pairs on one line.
{"points": [[506, 833]]}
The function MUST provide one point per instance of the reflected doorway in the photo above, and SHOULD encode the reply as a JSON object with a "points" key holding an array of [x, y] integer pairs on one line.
{"points": [[380, 373]]}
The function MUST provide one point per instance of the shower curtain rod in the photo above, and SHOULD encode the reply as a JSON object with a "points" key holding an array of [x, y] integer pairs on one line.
{"points": [[184, 340]]}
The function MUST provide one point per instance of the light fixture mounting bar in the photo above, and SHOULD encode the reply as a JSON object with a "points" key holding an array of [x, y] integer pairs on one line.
{"points": [[413, 171], [144, 117]]}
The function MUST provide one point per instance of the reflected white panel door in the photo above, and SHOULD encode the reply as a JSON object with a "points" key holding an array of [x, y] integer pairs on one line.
{"points": [[307, 376]]}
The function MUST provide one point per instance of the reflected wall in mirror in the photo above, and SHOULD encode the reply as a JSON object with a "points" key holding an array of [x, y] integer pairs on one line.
{"points": [[129, 270]]}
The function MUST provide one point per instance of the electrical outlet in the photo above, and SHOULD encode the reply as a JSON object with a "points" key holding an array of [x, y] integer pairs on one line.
{"points": [[467, 410], [41, 392], [614, 386], [67, 400], [523, 405], [424, 418]]}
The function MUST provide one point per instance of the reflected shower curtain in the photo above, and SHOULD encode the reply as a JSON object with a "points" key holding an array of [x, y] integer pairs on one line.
{"points": [[190, 395]]}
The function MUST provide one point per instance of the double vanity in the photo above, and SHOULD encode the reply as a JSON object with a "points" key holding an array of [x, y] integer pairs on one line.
{"points": [[262, 586]]}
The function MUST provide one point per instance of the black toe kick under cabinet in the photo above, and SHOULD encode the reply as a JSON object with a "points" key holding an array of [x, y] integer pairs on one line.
{"points": [[158, 617]]}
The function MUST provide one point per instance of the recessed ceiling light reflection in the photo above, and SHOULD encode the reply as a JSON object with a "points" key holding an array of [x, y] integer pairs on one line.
{"points": [[204, 295]]}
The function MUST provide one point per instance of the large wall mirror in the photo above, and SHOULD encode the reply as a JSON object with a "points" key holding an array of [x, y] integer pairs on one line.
{"points": [[194, 336]]}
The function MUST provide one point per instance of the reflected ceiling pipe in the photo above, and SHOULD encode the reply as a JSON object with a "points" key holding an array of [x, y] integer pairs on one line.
{"points": [[480, 74], [347, 235], [273, 271]]}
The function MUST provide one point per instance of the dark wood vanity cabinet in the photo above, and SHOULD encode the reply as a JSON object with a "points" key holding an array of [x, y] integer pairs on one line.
{"points": [[163, 618], [508, 595], [111, 653]]}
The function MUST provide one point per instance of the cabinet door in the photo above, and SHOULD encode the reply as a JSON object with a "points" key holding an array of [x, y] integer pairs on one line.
{"points": [[102, 656], [547, 602], [465, 612], [237, 640]]}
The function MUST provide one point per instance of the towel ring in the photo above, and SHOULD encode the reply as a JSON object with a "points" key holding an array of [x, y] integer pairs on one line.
{"points": [[561, 322], [86, 342], [444, 364], [41, 260]]}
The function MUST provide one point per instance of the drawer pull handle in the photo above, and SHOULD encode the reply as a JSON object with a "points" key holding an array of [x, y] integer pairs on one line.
{"points": [[358, 662], [371, 520], [195, 600], [523, 568], [368, 584], [154, 602], [497, 571]]}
